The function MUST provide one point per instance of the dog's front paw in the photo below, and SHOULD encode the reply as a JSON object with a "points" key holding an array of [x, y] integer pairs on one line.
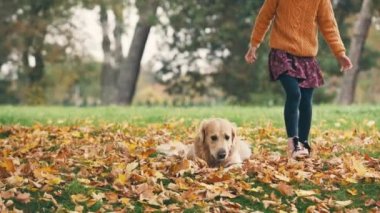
{"points": [[229, 167]]}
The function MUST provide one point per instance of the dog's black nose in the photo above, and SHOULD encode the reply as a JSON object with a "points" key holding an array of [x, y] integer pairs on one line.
{"points": [[221, 154]]}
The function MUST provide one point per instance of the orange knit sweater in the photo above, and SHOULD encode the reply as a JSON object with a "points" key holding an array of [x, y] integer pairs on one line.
{"points": [[295, 26]]}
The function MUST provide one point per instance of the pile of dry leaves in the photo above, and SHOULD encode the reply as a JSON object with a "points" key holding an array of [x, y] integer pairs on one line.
{"points": [[116, 168]]}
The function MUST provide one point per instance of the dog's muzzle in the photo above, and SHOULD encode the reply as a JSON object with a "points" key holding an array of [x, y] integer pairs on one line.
{"points": [[222, 154]]}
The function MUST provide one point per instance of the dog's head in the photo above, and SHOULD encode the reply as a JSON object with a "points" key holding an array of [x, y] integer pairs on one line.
{"points": [[218, 136]]}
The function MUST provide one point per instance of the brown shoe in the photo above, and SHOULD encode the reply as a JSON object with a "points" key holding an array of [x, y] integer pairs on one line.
{"points": [[305, 145], [295, 149]]}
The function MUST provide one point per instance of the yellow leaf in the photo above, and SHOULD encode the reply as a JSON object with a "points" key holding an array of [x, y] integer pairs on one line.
{"points": [[15, 180], [351, 180], [352, 191], [282, 177], [28, 147], [257, 189], [79, 198], [371, 123], [76, 134], [54, 180], [121, 179], [124, 201], [83, 180], [305, 193], [359, 167], [131, 147], [342, 204], [132, 166]]}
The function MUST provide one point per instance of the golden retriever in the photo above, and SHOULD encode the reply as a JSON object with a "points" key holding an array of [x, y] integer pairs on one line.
{"points": [[217, 143]]}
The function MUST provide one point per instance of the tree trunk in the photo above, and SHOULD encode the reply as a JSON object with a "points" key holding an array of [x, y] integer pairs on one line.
{"points": [[118, 51], [108, 86], [128, 77], [362, 25]]}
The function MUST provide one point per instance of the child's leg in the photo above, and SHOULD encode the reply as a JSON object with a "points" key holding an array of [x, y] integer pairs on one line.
{"points": [[293, 97], [305, 109]]}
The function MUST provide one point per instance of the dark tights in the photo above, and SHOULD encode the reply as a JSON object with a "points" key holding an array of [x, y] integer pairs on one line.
{"points": [[298, 108]]}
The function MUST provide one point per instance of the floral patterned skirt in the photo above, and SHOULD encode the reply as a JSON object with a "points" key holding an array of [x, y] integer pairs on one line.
{"points": [[305, 69]]}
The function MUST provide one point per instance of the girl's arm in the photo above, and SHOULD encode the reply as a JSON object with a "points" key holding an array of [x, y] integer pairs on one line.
{"points": [[329, 28], [263, 22]]}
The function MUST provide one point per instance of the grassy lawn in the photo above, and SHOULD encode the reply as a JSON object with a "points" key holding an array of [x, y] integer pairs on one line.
{"points": [[324, 116], [59, 159]]}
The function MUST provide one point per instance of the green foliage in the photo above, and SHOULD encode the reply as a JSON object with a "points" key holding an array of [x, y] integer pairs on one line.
{"points": [[222, 30], [73, 83], [7, 95]]}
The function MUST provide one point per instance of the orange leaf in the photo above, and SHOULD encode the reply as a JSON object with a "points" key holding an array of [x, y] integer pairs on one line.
{"points": [[8, 165], [285, 189]]}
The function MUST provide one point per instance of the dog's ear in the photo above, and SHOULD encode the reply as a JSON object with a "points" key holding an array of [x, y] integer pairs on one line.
{"points": [[233, 131], [201, 137], [199, 143]]}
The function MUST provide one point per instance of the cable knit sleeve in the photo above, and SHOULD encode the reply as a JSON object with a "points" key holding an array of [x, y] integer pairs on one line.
{"points": [[329, 28], [263, 22]]}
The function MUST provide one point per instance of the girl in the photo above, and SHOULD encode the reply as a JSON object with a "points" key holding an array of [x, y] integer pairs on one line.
{"points": [[294, 46]]}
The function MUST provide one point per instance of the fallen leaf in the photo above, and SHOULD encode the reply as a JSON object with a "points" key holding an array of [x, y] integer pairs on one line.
{"points": [[282, 178], [371, 123], [285, 189], [305, 193], [8, 165], [342, 204], [111, 197], [370, 202], [121, 179], [23, 197], [352, 191], [132, 166], [79, 198], [268, 203]]}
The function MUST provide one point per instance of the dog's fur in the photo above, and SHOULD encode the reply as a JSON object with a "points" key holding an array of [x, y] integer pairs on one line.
{"points": [[215, 137]]}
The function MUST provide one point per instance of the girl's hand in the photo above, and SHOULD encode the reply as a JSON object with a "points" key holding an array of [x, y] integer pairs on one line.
{"points": [[250, 56], [345, 63]]}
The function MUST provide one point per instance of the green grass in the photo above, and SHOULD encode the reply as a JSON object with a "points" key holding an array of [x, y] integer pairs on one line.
{"points": [[328, 116]]}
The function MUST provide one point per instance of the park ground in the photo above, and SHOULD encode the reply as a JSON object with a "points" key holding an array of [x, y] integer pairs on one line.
{"points": [[104, 159]]}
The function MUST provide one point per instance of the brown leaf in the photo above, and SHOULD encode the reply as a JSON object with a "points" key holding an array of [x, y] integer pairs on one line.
{"points": [[111, 197], [23, 197], [218, 177], [285, 189], [7, 194], [230, 206], [180, 167], [370, 202]]}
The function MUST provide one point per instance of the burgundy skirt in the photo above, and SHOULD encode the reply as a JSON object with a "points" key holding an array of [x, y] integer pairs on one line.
{"points": [[305, 69]]}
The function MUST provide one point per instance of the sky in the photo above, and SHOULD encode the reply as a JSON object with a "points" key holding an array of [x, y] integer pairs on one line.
{"points": [[89, 33]]}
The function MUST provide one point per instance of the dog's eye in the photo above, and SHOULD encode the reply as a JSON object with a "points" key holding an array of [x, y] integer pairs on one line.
{"points": [[227, 137], [214, 137]]}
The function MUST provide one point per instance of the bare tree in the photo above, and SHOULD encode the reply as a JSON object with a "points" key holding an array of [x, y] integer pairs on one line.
{"points": [[112, 57], [362, 26], [107, 75], [131, 65]]}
